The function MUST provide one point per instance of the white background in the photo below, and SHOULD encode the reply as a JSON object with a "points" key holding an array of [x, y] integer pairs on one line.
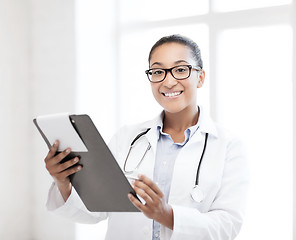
{"points": [[89, 57]]}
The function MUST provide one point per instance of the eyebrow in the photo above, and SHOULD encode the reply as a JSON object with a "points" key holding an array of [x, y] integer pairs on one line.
{"points": [[176, 62]]}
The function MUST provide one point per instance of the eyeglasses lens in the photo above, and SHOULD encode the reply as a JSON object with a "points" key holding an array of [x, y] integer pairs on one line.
{"points": [[181, 72]]}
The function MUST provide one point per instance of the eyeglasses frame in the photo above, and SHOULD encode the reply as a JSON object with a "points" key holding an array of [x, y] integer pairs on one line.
{"points": [[170, 70]]}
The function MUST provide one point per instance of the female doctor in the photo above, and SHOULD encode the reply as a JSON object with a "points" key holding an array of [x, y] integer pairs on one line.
{"points": [[192, 173]]}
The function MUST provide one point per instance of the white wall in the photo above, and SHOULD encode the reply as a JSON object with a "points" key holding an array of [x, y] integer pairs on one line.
{"points": [[294, 122], [37, 76], [15, 110]]}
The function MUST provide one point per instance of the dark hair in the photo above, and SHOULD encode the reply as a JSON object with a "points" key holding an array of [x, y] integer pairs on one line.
{"points": [[176, 38]]}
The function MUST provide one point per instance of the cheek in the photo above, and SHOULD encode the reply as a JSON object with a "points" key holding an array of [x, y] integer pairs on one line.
{"points": [[193, 83], [155, 90], [191, 91]]}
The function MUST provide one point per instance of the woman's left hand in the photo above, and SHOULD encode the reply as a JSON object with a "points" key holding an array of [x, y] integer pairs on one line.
{"points": [[155, 207]]}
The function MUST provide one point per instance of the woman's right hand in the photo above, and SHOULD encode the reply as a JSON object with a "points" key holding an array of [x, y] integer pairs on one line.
{"points": [[61, 171]]}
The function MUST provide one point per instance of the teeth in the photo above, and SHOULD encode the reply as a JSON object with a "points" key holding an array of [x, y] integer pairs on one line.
{"points": [[172, 94]]}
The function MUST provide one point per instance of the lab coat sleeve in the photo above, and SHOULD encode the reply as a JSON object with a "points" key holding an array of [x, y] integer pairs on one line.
{"points": [[73, 208], [225, 216]]}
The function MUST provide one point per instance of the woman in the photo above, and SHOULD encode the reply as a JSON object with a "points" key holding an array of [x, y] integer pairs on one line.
{"points": [[180, 137]]}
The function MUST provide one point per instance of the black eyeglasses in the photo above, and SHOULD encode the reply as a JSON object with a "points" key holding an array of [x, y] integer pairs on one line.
{"points": [[178, 72]]}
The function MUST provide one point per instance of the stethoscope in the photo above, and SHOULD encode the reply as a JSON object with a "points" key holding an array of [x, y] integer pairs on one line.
{"points": [[196, 192]]}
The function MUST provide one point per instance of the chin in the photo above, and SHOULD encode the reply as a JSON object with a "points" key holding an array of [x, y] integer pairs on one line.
{"points": [[178, 107], [173, 109]]}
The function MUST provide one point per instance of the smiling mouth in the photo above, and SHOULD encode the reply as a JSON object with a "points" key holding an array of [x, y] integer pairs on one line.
{"points": [[172, 94]]}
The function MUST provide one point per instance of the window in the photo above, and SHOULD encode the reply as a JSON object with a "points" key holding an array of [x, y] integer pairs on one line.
{"points": [[255, 89], [234, 5], [132, 11], [247, 51]]}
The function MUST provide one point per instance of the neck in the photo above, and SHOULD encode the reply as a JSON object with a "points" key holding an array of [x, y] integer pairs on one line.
{"points": [[179, 122]]}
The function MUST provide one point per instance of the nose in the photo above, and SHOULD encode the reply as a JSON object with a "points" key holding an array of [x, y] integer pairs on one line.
{"points": [[169, 80]]}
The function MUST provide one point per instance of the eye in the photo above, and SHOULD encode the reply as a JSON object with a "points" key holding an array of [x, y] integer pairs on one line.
{"points": [[156, 72], [180, 69]]}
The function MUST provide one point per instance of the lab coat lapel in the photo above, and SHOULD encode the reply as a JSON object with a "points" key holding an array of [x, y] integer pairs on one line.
{"points": [[185, 169], [187, 161]]}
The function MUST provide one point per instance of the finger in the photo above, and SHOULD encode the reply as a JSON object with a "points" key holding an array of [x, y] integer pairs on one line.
{"points": [[137, 203], [63, 175], [144, 195], [52, 151], [58, 158], [141, 188], [61, 167], [152, 185]]}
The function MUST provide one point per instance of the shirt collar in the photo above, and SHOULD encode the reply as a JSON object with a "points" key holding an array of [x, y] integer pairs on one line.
{"points": [[189, 132], [205, 123]]}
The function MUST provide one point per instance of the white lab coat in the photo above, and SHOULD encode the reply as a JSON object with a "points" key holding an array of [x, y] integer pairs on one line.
{"points": [[223, 179]]}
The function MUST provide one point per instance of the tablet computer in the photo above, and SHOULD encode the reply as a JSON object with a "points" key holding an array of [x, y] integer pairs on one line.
{"points": [[101, 184]]}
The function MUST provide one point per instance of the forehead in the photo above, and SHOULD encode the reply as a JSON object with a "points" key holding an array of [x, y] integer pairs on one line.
{"points": [[167, 54]]}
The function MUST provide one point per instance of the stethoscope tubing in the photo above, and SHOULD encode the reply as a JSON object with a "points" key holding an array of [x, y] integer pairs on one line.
{"points": [[201, 158], [196, 193], [129, 151]]}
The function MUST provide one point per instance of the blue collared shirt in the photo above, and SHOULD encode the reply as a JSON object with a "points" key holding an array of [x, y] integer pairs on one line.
{"points": [[166, 154]]}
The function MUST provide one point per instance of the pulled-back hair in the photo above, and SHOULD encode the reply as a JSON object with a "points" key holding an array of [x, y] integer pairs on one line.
{"points": [[176, 38]]}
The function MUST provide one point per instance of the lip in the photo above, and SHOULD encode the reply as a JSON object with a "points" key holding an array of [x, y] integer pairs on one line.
{"points": [[172, 94]]}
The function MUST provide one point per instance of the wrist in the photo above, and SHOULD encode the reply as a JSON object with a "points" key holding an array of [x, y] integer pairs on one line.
{"points": [[168, 218], [65, 189]]}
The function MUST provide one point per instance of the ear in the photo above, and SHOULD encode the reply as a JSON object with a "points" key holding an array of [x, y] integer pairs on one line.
{"points": [[201, 78]]}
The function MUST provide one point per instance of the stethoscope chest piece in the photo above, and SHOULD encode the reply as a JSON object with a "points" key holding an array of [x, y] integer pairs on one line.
{"points": [[197, 194]]}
